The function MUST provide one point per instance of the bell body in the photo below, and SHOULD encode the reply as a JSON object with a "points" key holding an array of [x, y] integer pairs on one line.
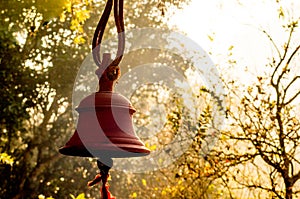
{"points": [[105, 128]]}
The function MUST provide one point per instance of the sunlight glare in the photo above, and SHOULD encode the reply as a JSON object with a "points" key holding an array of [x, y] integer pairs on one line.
{"points": [[21, 37]]}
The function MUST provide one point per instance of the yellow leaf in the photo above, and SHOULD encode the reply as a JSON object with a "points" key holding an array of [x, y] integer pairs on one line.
{"points": [[147, 144], [74, 24], [72, 196], [6, 159], [68, 6], [80, 29], [179, 182], [210, 38], [231, 47], [152, 148], [82, 15], [144, 182], [79, 40], [281, 12], [62, 17], [81, 196], [134, 195]]}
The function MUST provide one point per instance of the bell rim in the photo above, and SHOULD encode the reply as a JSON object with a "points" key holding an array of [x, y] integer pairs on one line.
{"points": [[107, 150]]}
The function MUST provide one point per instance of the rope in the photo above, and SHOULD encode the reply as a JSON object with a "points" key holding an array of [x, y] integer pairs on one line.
{"points": [[119, 20], [102, 176], [98, 35]]}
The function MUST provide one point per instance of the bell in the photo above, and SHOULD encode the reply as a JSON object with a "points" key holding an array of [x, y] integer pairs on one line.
{"points": [[105, 128]]}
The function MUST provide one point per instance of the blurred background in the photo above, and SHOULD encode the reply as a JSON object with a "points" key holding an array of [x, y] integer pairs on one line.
{"points": [[255, 49]]}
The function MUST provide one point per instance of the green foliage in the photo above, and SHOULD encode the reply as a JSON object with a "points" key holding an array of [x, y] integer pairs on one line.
{"points": [[14, 75]]}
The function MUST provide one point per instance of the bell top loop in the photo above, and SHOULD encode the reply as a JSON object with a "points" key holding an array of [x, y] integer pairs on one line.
{"points": [[107, 73]]}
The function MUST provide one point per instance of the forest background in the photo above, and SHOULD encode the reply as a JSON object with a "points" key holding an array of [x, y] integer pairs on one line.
{"points": [[253, 154]]}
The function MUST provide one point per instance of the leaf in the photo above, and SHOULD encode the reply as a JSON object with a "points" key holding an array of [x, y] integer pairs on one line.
{"points": [[79, 40], [153, 147], [6, 159], [281, 12], [210, 38], [72, 196], [144, 182], [81, 196], [134, 195], [82, 15]]}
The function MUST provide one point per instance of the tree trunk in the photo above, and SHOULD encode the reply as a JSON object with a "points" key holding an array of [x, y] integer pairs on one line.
{"points": [[288, 190]]}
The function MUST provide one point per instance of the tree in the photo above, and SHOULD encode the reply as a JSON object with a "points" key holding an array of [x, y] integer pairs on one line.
{"points": [[41, 47], [258, 152]]}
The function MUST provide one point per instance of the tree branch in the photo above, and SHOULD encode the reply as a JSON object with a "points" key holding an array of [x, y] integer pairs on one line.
{"points": [[281, 59], [288, 86], [292, 99], [274, 44]]}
